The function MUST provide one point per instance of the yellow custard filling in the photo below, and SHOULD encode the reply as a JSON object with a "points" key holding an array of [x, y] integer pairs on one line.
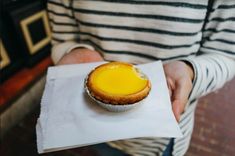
{"points": [[118, 79]]}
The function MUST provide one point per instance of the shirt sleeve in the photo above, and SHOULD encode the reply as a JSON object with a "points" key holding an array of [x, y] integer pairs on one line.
{"points": [[215, 63], [65, 29]]}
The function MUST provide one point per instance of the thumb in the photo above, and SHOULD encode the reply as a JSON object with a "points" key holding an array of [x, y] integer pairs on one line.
{"points": [[176, 109]]}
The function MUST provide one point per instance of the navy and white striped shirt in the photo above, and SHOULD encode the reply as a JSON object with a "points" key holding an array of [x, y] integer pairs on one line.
{"points": [[141, 31]]}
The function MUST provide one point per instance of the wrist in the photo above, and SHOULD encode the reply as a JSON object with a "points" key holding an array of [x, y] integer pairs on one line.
{"points": [[80, 46], [82, 52], [80, 55], [84, 55]]}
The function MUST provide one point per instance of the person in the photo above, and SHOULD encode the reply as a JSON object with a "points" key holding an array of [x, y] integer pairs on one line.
{"points": [[194, 39]]}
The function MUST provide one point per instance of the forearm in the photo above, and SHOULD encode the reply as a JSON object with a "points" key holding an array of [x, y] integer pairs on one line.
{"points": [[212, 71], [215, 63], [65, 31]]}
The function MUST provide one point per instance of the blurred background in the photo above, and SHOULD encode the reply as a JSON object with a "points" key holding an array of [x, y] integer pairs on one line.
{"points": [[25, 56]]}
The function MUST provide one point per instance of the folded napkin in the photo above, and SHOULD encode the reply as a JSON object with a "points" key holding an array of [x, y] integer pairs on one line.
{"points": [[69, 118]]}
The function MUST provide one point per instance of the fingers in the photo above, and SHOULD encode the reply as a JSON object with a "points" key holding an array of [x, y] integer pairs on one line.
{"points": [[181, 92], [175, 103], [175, 94], [180, 97], [179, 80]]}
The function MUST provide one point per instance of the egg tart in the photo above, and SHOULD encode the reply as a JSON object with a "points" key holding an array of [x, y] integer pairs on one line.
{"points": [[117, 84]]}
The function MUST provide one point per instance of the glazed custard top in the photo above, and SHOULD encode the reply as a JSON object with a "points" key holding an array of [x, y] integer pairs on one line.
{"points": [[118, 79]]}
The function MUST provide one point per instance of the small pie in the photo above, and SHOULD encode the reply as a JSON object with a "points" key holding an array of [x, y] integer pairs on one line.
{"points": [[117, 83]]}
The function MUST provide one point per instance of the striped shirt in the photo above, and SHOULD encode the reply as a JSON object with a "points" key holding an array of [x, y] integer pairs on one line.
{"points": [[141, 31]]}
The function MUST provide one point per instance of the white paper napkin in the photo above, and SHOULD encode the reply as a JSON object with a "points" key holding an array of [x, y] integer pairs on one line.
{"points": [[69, 118]]}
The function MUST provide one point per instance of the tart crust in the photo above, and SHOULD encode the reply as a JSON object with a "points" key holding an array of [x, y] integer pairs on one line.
{"points": [[116, 99]]}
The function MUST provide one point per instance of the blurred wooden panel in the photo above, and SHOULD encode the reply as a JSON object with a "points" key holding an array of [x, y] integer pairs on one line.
{"points": [[17, 83]]}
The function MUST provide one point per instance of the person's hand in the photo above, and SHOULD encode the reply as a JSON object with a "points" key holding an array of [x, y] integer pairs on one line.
{"points": [[179, 76], [80, 55]]}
